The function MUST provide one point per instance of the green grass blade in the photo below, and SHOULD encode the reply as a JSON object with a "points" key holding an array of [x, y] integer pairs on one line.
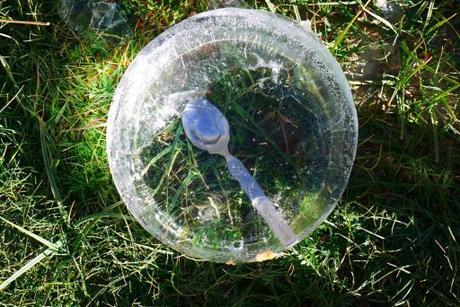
{"points": [[381, 19], [47, 253], [44, 141], [271, 6], [155, 159], [345, 31], [8, 70], [51, 245]]}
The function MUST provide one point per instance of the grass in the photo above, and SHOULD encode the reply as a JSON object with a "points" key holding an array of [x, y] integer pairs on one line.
{"points": [[393, 238]]}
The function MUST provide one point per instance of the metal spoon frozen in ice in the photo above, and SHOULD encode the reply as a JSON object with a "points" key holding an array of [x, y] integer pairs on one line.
{"points": [[208, 129]]}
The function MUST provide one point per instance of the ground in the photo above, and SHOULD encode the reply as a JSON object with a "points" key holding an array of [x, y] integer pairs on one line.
{"points": [[67, 239]]}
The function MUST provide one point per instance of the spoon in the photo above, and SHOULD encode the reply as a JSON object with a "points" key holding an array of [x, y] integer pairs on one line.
{"points": [[207, 128]]}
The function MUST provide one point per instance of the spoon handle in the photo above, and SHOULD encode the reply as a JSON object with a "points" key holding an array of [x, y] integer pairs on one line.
{"points": [[263, 205]]}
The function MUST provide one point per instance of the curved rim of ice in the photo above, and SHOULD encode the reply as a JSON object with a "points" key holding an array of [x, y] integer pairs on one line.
{"points": [[134, 82]]}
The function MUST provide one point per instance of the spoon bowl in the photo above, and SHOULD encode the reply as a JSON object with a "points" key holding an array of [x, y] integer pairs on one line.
{"points": [[206, 127]]}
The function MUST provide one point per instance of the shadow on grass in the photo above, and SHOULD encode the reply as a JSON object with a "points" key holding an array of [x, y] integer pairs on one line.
{"points": [[391, 239]]}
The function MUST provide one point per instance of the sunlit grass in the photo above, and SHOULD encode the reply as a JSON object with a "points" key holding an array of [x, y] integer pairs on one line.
{"points": [[393, 239]]}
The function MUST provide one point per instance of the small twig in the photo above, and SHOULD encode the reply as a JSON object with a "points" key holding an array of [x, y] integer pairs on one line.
{"points": [[24, 22]]}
